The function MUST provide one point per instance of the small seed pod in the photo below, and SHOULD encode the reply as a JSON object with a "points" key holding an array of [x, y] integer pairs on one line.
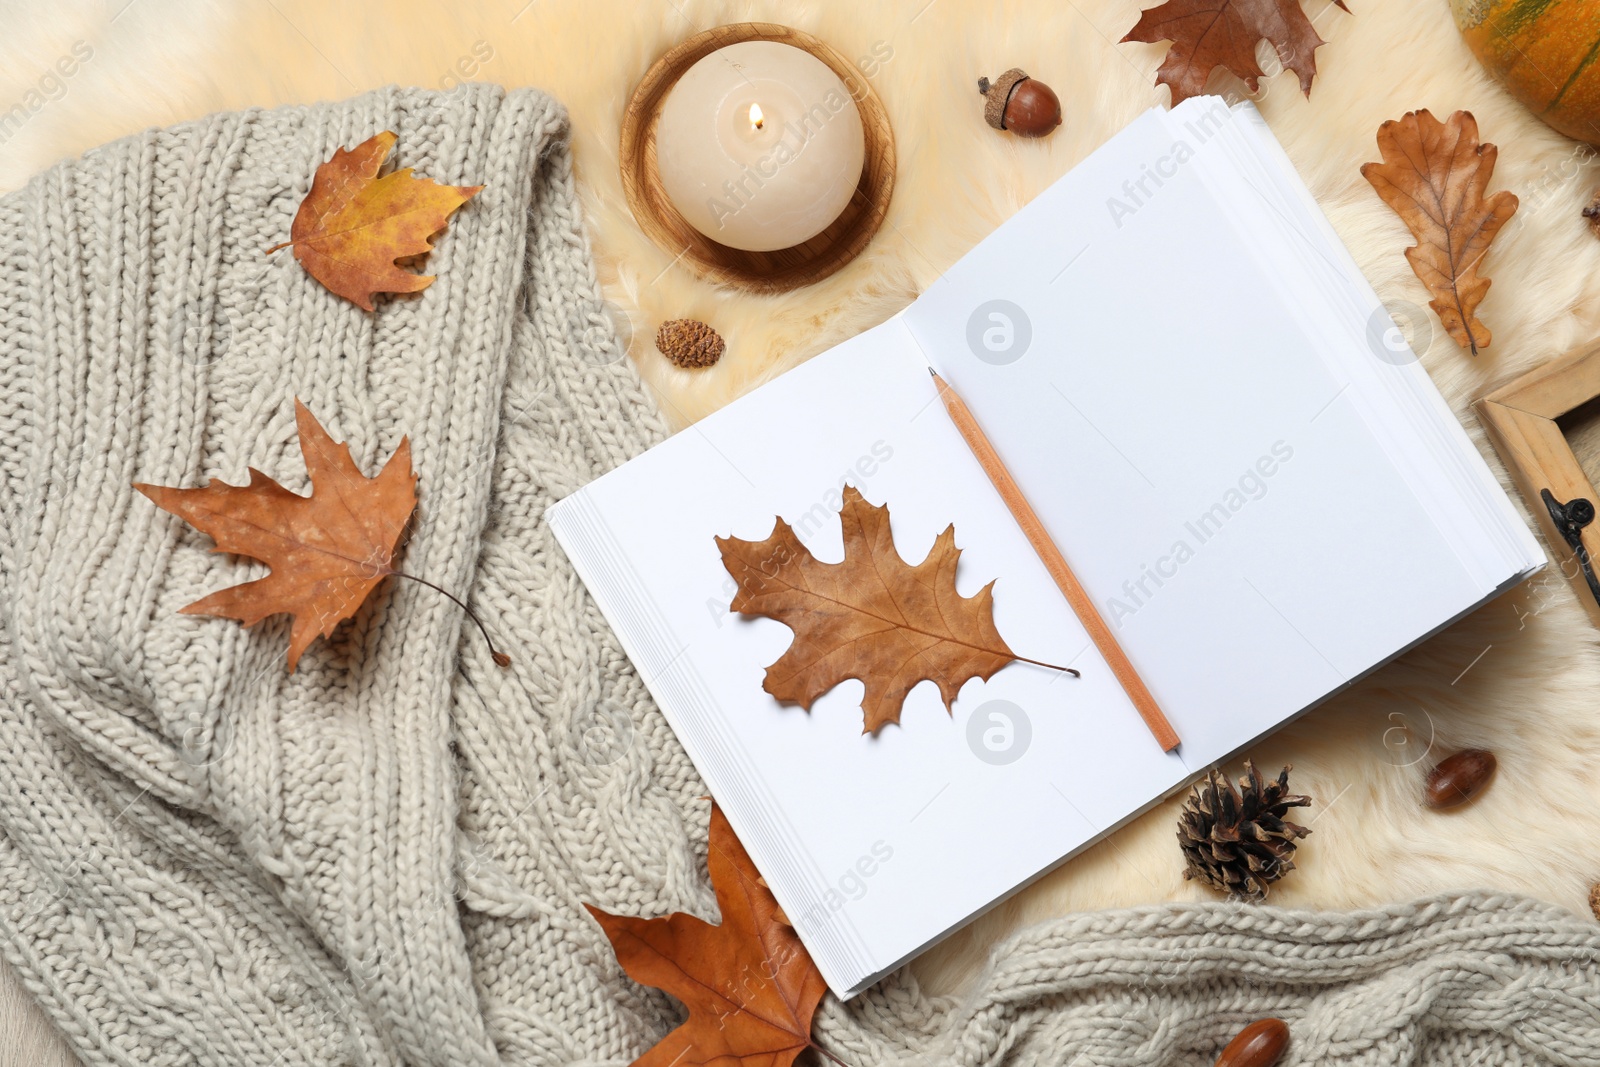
{"points": [[1261, 1044], [1025, 106], [1459, 778], [1594, 899], [689, 343]]}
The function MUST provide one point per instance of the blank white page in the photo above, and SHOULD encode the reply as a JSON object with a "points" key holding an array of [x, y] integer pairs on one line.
{"points": [[1297, 248], [1250, 531]]}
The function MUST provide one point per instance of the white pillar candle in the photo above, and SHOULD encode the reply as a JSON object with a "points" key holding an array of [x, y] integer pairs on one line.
{"points": [[759, 146]]}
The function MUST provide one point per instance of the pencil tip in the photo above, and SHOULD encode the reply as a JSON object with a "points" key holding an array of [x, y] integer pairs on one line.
{"points": [[933, 372]]}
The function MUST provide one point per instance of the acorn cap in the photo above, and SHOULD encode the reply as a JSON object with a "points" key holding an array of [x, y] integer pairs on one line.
{"points": [[999, 94], [689, 343]]}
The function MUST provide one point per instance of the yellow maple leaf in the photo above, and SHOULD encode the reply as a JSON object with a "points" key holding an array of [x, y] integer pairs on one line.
{"points": [[353, 225]]}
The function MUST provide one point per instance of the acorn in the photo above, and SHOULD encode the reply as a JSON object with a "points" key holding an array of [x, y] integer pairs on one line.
{"points": [[1261, 1044], [1025, 106], [1459, 778]]}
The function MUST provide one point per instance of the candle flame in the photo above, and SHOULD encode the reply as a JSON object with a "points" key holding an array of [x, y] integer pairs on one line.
{"points": [[756, 120]]}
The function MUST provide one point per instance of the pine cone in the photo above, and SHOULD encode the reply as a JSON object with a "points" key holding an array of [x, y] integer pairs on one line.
{"points": [[689, 343], [1236, 844]]}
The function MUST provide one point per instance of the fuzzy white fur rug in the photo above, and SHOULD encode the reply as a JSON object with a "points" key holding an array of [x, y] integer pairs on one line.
{"points": [[1521, 677]]}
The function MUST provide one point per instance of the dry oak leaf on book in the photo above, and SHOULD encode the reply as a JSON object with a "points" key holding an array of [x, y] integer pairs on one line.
{"points": [[872, 616], [327, 551], [1207, 34], [1434, 174], [749, 984], [353, 225]]}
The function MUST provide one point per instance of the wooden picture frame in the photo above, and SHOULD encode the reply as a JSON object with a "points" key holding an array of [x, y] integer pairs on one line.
{"points": [[1521, 419]]}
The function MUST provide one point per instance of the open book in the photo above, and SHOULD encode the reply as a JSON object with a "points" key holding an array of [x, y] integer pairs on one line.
{"points": [[1208, 408]]}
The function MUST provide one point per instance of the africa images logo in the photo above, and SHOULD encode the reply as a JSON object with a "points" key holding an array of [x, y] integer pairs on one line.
{"points": [[999, 332], [999, 732]]}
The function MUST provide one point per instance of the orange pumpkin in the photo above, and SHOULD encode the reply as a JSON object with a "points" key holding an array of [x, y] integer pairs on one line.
{"points": [[1545, 52]]}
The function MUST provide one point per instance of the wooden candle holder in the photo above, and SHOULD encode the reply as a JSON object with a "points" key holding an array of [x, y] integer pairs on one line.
{"points": [[762, 272]]}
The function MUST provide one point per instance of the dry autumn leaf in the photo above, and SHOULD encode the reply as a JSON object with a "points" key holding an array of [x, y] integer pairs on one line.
{"points": [[749, 984], [327, 551], [1434, 175], [353, 225], [1207, 34], [872, 617]]}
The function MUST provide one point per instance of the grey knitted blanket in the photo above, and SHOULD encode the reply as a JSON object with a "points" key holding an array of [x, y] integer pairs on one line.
{"points": [[381, 858]]}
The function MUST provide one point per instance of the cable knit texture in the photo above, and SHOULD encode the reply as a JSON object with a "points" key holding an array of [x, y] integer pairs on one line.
{"points": [[380, 859]]}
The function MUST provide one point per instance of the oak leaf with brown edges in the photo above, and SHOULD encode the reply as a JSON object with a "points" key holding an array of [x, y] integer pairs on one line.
{"points": [[749, 984], [1434, 174], [353, 225], [327, 551], [1207, 34], [872, 616]]}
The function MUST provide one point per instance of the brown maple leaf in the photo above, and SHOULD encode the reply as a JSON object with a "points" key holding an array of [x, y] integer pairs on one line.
{"points": [[327, 551], [1207, 34], [872, 617], [749, 984], [353, 225], [1434, 175]]}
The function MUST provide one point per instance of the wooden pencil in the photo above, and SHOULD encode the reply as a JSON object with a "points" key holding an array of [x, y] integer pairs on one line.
{"points": [[1056, 564]]}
